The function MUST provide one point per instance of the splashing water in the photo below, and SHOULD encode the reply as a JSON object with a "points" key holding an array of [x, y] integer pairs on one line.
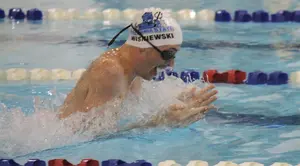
{"points": [[21, 134]]}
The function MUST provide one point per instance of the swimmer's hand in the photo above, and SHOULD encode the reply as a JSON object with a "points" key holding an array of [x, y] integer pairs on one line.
{"points": [[196, 104]]}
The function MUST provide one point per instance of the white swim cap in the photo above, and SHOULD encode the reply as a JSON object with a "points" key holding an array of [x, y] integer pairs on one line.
{"points": [[158, 27]]}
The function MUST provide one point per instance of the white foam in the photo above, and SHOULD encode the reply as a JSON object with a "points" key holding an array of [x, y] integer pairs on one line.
{"points": [[22, 134]]}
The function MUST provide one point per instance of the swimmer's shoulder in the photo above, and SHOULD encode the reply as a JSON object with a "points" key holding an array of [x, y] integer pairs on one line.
{"points": [[105, 66]]}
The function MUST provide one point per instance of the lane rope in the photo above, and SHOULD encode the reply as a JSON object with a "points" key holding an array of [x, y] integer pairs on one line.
{"points": [[233, 76], [111, 15], [117, 162]]}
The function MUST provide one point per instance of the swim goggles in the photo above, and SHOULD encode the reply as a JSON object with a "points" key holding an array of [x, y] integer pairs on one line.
{"points": [[165, 55]]}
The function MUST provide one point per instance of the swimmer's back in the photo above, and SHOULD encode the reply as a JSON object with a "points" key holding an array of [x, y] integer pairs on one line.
{"points": [[98, 84]]}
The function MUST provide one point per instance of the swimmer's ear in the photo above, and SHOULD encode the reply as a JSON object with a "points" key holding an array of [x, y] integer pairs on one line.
{"points": [[143, 50]]}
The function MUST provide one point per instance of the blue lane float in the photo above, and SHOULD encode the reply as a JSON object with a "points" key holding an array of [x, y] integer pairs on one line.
{"points": [[159, 77], [277, 78], [295, 16], [139, 163], [253, 78], [277, 17], [8, 162], [281, 16], [116, 162], [16, 14], [222, 16], [260, 16], [171, 72], [257, 78], [113, 162], [287, 15], [35, 162], [242, 16], [34, 14], [2, 14], [189, 75]]}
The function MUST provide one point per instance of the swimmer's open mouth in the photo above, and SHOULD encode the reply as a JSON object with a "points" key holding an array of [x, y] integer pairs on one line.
{"points": [[162, 66], [154, 71]]}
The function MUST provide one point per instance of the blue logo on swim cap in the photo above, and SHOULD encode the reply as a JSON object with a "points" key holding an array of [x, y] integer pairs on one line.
{"points": [[153, 24], [149, 22]]}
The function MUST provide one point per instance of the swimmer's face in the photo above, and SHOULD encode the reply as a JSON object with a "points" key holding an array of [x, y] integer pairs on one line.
{"points": [[153, 62]]}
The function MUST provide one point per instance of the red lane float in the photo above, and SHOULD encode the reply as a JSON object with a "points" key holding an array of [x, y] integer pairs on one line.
{"points": [[209, 75], [64, 162], [214, 76], [230, 76], [59, 162], [89, 162], [236, 76]]}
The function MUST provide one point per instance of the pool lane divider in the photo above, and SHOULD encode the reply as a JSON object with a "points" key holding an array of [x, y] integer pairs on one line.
{"points": [[186, 15], [229, 77], [233, 76], [118, 162]]}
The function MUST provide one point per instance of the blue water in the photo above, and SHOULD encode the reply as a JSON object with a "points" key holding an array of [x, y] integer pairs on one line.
{"points": [[254, 123]]}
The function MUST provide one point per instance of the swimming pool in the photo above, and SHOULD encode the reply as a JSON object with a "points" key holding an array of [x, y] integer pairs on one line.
{"points": [[253, 122]]}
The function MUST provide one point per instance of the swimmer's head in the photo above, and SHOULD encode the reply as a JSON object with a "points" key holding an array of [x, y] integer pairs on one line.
{"points": [[154, 28], [156, 37]]}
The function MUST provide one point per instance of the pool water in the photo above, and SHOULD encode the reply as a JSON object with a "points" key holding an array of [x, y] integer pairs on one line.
{"points": [[254, 123]]}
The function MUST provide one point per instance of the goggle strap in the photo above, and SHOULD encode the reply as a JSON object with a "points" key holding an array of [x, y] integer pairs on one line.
{"points": [[114, 38], [138, 32]]}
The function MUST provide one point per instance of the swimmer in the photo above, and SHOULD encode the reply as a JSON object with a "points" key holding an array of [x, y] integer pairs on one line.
{"points": [[153, 41]]}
